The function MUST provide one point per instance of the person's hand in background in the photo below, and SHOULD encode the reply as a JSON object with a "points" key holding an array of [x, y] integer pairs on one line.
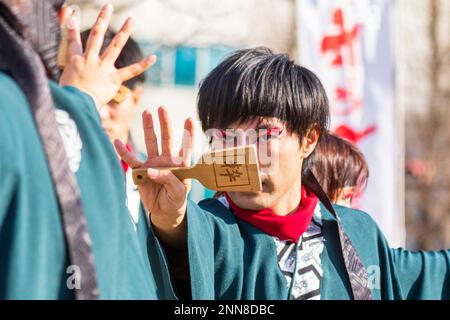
{"points": [[93, 73]]}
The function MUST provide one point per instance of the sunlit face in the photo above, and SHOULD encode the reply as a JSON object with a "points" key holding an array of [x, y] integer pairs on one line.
{"points": [[117, 118], [280, 158]]}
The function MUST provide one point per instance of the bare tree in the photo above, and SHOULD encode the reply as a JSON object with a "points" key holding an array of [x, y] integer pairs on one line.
{"points": [[428, 139]]}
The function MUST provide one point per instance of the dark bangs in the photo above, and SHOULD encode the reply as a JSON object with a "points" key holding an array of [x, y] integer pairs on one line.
{"points": [[257, 83]]}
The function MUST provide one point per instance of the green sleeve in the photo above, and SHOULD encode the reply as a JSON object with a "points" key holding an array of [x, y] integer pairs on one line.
{"points": [[213, 257], [7, 175], [201, 252], [402, 274], [423, 275], [160, 267], [13, 101], [78, 98]]}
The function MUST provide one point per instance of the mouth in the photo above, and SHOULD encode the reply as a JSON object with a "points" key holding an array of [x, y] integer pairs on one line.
{"points": [[265, 187]]}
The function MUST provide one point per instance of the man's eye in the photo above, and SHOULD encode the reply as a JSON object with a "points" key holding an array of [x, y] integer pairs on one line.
{"points": [[270, 135]]}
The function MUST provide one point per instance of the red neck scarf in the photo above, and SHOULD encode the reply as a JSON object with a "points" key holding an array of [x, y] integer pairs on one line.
{"points": [[124, 164], [289, 227]]}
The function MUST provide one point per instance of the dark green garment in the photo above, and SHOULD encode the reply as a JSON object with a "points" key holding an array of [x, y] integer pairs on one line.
{"points": [[142, 229], [230, 259], [33, 256]]}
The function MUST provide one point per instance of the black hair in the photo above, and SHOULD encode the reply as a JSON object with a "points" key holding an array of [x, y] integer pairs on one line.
{"points": [[11, 19], [57, 4], [130, 54], [15, 23], [255, 83]]}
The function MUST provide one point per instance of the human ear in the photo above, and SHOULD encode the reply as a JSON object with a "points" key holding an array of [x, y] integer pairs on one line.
{"points": [[309, 141]]}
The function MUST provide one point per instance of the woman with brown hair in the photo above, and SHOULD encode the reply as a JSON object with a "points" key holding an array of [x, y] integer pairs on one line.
{"points": [[340, 168]]}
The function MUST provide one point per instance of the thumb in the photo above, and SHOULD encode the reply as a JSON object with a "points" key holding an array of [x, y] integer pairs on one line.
{"points": [[175, 188], [126, 155]]}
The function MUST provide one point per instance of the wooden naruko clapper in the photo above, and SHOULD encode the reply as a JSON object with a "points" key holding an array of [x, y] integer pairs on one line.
{"points": [[232, 169]]}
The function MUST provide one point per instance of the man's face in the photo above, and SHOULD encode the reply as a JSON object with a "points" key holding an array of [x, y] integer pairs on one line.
{"points": [[280, 158], [117, 117]]}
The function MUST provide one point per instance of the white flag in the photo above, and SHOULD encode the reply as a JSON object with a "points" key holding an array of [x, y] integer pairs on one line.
{"points": [[347, 43]]}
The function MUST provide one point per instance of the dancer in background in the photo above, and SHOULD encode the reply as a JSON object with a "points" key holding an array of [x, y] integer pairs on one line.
{"points": [[65, 231], [117, 116], [340, 168]]}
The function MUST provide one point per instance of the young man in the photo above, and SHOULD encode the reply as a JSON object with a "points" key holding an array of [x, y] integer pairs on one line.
{"points": [[117, 116], [116, 119], [282, 242], [340, 168], [65, 230]]}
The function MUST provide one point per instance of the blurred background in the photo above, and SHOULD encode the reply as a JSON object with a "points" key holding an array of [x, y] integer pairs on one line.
{"points": [[384, 63]]}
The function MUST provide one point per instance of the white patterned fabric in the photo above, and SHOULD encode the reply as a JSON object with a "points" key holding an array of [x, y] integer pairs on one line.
{"points": [[133, 199], [303, 261], [70, 138]]}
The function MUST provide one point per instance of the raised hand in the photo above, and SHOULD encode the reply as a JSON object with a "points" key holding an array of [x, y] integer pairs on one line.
{"points": [[93, 73], [164, 196]]}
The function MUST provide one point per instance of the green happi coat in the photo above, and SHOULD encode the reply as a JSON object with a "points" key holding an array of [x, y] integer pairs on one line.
{"points": [[230, 259], [33, 255]]}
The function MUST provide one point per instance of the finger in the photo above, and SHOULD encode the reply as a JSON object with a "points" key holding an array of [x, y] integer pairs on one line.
{"points": [[135, 69], [126, 155], [187, 142], [164, 162], [151, 142], [97, 34], [174, 187], [114, 49], [166, 132], [73, 37]]}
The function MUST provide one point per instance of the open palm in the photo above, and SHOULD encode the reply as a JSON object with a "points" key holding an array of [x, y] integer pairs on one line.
{"points": [[95, 73], [163, 195]]}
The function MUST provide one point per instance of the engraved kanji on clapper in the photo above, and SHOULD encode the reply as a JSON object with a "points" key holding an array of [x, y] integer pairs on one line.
{"points": [[231, 174], [233, 171]]}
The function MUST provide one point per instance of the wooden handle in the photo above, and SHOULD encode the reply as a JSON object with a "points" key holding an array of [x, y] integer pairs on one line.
{"points": [[140, 175]]}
